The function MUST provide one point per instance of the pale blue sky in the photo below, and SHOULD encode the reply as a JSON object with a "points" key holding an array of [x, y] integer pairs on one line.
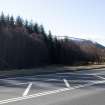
{"points": [[74, 18]]}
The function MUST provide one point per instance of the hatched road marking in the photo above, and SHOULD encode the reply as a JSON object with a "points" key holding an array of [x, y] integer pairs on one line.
{"points": [[100, 77], [27, 89], [47, 93], [66, 83], [68, 87]]}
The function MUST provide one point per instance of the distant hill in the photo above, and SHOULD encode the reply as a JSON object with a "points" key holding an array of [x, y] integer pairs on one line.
{"points": [[89, 46], [83, 42], [87, 43], [89, 50], [99, 45]]}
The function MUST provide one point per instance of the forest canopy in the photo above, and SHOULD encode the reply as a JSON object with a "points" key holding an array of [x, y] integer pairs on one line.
{"points": [[24, 44]]}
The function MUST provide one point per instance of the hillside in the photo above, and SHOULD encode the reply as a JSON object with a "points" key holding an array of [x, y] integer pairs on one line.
{"points": [[24, 44], [89, 50]]}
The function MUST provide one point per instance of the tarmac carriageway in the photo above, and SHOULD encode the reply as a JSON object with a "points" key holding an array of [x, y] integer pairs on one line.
{"points": [[43, 89]]}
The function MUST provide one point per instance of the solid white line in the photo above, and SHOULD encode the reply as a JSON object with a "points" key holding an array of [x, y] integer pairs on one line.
{"points": [[27, 89], [32, 96], [48, 93], [66, 83]]}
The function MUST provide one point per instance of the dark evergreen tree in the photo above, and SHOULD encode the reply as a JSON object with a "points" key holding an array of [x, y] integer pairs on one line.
{"points": [[12, 21], [30, 27], [26, 24], [19, 21], [7, 20], [2, 20], [42, 32], [36, 28], [50, 38], [50, 45]]}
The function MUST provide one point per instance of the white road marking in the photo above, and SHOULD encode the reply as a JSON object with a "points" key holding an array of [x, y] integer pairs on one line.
{"points": [[51, 74], [48, 93], [27, 89], [100, 77], [43, 75], [66, 83], [21, 83], [13, 82], [101, 72]]}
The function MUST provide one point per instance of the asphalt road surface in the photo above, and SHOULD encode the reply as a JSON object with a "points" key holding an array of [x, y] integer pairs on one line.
{"points": [[69, 88]]}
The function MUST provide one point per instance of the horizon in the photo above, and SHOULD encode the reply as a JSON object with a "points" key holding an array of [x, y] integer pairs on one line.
{"points": [[72, 18]]}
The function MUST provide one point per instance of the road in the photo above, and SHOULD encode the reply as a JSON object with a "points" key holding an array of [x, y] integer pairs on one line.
{"points": [[69, 88]]}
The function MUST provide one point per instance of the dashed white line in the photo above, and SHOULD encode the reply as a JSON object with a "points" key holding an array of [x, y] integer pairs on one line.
{"points": [[27, 89], [66, 83]]}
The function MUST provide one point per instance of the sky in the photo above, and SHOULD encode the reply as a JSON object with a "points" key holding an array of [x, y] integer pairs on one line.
{"points": [[74, 18]]}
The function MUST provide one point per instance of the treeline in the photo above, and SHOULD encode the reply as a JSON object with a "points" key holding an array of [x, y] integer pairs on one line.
{"points": [[24, 44]]}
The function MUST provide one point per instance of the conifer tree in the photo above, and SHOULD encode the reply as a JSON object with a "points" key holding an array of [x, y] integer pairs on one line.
{"points": [[45, 37], [7, 20], [30, 27], [2, 20], [26, 24], [12, 21], [19, 21], [36, 28]]}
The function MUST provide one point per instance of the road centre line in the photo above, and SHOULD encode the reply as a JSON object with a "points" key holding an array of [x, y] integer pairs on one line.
{"points": [[48, 92], [66, 83], [27, 89]]}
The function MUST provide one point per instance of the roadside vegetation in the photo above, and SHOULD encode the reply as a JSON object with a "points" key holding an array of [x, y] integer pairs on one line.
{"points": [[25, 44]]}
